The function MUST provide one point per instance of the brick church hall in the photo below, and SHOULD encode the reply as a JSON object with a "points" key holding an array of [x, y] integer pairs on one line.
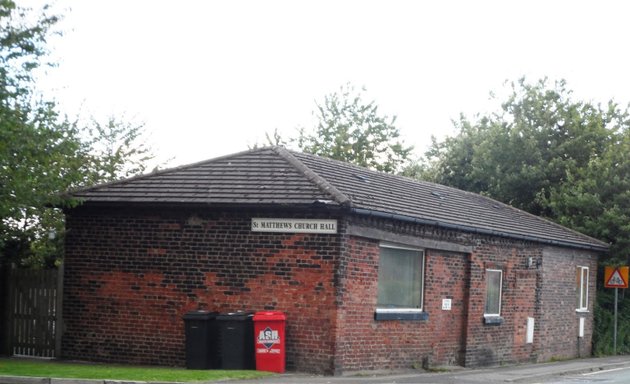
{"points": [[373, 271]]}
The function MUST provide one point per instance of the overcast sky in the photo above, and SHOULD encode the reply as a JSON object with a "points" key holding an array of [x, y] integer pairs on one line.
{"points": [[209, 78]]}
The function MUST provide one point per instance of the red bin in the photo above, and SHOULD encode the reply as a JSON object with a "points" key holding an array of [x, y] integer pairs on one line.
{"points": [[269, 341]]}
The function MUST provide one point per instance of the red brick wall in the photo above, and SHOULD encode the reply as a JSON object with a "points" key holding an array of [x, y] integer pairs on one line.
{"points": [[459, 336], [560, 320], [491, 344], [364, 343], [447, 278], [131, 276]]}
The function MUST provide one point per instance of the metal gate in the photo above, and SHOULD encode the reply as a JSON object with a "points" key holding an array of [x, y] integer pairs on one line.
{"points": [[34, 312]]}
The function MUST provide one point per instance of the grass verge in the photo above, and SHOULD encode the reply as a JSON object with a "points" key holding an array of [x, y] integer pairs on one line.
{"points": [[68, 370]]}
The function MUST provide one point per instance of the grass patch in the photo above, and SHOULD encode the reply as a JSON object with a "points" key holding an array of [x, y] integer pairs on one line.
{"points": [[67, 370]]}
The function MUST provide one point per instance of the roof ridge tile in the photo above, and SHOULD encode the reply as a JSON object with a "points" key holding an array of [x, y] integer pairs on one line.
{"points": [[312, 176]]}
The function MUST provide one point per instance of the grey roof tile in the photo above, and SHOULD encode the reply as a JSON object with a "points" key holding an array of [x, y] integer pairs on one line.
{"points": [[270, 176]]}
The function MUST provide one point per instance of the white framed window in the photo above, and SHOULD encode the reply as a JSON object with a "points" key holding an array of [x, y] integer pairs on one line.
{"points": [[494, 287], [400, 279], [581, 281]]}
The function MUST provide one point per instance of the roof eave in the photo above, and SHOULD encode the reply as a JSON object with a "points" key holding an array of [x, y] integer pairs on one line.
{"points": [[470, 229], [330, 205]]}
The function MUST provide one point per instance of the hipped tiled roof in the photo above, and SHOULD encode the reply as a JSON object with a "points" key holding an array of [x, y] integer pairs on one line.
{"points": [[276, 176]]}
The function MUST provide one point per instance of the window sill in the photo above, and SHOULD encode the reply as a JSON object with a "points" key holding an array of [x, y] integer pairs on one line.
{"points": [[581, 311], [492, 320], [409, 316]]}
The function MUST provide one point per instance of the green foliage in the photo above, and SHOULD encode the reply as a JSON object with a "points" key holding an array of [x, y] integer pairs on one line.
{"points": [[596, 198], [42, 154], [538, 138], [23, 36], [113, 150], [548, 154], [352, 130], [604, 323]]}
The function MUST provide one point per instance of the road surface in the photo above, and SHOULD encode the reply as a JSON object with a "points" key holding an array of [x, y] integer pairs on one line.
{"points": [[607, 376]]}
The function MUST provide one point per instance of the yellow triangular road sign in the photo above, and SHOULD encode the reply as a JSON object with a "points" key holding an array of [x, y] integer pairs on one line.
{"points": [[616, 279]]}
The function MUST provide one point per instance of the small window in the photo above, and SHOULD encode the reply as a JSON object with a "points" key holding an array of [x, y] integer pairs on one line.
{"points": [[400, 279], [494, 281], [581, 281]]}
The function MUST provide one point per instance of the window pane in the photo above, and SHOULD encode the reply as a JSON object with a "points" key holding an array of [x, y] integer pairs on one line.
{"points": [[578, 286], [493, 292], [584, 288], [400, 278]]}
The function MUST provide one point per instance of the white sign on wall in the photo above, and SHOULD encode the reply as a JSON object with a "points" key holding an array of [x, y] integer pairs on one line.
{"points": [[530, 330], [446, 304], [294, 225]]}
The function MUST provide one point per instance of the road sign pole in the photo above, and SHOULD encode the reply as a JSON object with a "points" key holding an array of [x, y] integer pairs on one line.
{"points": [[616, 277], [615, 335]]}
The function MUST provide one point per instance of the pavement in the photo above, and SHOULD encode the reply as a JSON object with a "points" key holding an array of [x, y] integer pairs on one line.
{"points": [[523, 373]]}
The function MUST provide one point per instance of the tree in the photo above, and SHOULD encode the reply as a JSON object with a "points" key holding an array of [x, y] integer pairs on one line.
{"points": [[114, 149], [352, 130], [596, 199], [43, 154], [536, 141], [23, 37]]}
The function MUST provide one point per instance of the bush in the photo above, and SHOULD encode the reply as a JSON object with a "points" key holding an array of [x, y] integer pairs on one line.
{"points": [[604, 323]]}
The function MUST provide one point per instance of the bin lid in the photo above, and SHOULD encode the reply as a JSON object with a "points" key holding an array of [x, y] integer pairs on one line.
{"points": [[200, 315], [269, 315], [235, 316]]}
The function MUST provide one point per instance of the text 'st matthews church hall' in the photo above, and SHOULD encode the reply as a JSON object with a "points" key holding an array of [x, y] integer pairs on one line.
{"points": [[373, 271]]}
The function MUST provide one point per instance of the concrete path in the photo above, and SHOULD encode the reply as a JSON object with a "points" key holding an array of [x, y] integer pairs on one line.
{"points": [[526, 373]]}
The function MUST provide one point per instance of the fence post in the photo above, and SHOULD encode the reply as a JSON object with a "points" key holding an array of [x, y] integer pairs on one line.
{"points": [[59, 326], [6, 345], [4, 309]]}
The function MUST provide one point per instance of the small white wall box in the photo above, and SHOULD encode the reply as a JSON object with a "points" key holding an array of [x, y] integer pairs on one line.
{"points": [[446, 304], [530, 330], [581, 330]]}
